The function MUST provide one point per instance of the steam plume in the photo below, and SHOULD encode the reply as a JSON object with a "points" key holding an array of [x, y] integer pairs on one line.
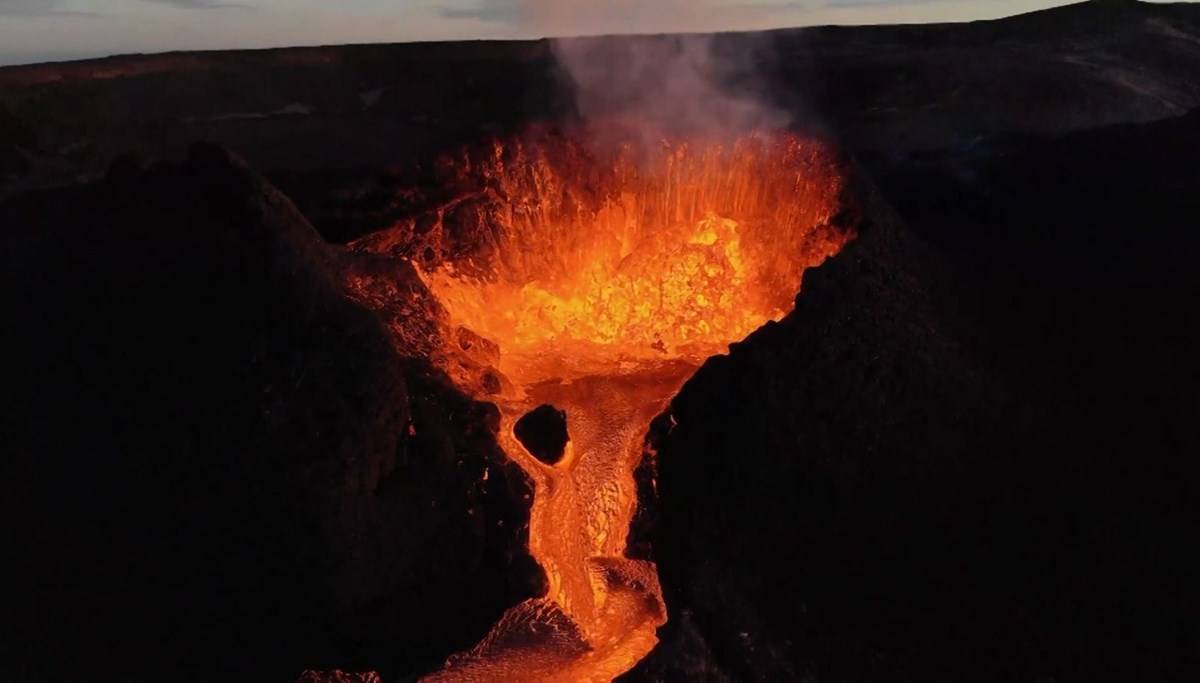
{"points": [[667, 83]]}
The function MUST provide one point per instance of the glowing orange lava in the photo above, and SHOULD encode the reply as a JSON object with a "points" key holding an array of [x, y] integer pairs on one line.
{"points": [[609, 273]]}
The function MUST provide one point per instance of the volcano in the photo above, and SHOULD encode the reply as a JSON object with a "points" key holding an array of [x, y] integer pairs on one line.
{"points": [[601, 275], [418, 369]]}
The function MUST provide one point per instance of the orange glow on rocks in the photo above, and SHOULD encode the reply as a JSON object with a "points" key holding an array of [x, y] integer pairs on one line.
{"points": [[601, 276]]}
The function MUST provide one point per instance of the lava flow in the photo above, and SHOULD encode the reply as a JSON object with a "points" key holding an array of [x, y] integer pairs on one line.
{"points": [[606, 276]]}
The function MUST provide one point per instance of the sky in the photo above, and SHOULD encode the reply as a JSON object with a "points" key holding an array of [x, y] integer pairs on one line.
{"points": [[49, 30]]}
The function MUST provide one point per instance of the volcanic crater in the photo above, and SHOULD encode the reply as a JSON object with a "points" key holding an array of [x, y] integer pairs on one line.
{"points": [[598, 271], [450, 379]]}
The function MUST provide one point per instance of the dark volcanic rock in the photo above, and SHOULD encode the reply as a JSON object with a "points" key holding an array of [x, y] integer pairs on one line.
{"points": [[216, 466], [970, 459], [543, 432], [908, 87], [794, 461], [14, 138], [329, 122]]}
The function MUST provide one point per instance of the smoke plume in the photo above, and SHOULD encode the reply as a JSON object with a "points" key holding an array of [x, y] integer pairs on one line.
{"points": [[693, 84]]}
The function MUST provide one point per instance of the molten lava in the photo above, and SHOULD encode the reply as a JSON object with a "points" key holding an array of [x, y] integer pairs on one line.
{"points": [[600, 277]]}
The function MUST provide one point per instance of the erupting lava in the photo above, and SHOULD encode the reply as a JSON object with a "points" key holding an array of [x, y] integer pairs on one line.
{"points": [[604, 276]]}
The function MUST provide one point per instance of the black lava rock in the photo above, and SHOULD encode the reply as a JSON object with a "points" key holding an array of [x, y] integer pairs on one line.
{"points": [[969, 452], [543, 432], [216, 466]]}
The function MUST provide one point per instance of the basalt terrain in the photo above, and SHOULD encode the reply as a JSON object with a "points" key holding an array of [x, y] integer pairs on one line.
{"points": [[388, 359]]}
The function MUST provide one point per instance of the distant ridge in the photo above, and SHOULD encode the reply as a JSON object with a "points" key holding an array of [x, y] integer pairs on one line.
{"points": [[1064, 17]]}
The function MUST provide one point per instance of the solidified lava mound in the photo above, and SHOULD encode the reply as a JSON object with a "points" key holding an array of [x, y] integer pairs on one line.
{"points": [[217, 465], [968, 454], [543, 432]]}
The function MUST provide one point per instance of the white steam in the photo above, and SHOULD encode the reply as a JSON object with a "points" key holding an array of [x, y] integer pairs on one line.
{"points": [[695, 84]]}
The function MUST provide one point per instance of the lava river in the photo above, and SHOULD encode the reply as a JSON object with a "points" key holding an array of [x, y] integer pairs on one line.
{"points": [[609, 273]]}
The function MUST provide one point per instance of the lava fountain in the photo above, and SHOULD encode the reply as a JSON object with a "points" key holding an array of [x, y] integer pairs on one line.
{"points": [[604, 274]]}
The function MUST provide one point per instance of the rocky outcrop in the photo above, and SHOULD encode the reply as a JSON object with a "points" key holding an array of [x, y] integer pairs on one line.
{"points": [[217, 464], [543, 432], [965, 455]]}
